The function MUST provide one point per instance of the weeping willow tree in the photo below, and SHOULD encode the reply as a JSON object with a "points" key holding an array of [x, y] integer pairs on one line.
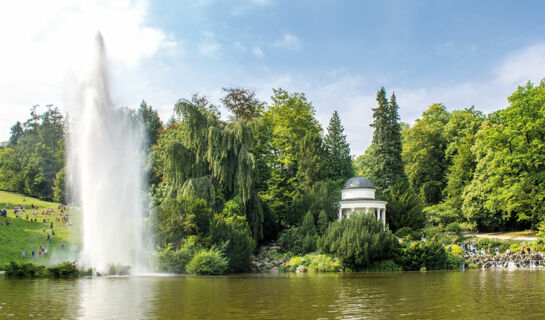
{"points": [[203, 156]]}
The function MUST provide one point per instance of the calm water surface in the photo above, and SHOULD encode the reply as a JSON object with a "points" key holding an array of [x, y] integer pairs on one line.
{"points": [[475, 294]]}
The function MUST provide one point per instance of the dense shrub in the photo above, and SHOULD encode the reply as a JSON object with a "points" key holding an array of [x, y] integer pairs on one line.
{"points": [[64, 270], [30, 270], [24, 270], [407, 233], [175, 260], [417, 255], [404, 208], [302, 239], [358, 241], [208, 261], [291, 240], [233, 231], [454, 260], [314, 263], [176, 219], [383, 266]]}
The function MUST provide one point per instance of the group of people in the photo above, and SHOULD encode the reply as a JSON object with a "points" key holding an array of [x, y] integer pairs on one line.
{"points": [[473, 249], [18, 212], [41, 251]]}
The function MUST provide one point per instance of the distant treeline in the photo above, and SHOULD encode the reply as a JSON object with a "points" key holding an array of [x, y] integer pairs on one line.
{"points": [[271, 172], [484, 172]]}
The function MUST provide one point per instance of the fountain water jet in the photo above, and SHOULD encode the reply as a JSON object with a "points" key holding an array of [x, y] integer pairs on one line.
{"points": [[105, 157]]}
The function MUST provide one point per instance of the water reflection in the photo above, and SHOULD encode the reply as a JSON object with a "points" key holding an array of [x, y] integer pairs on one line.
{"points": [[117, 298], [473, 294]]}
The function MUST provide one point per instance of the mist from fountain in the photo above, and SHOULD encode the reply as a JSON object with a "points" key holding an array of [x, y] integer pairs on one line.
{"points": [[105, 169]]}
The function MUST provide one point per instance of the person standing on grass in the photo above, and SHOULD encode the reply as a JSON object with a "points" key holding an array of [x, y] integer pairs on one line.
{"points": [[23, 254], [33, 254]]}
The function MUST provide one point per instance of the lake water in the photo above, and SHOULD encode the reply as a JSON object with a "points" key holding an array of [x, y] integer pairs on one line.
{"points": [[473, 294]]}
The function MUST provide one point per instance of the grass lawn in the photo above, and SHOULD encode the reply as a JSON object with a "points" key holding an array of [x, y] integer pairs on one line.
{"points": [[23, 234]]}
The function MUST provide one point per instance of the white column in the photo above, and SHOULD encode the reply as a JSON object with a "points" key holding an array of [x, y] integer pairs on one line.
{"points": [[340, 213]]}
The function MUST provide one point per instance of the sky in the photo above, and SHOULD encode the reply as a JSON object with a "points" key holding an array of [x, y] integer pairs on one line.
{"points": [[339, 53]]}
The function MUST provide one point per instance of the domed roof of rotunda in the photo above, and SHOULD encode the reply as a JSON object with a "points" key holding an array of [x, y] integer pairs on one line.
{"points": [[357, 182]]}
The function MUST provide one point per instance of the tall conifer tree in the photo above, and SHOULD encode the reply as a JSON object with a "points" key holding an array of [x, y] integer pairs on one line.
{"points": [[339, 162], [388, 167]]}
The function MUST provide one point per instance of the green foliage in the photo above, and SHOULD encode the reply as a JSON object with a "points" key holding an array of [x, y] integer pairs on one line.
{"points": [[64, 270], [424, 148], [460, 133], [442, 214], [314, 263], [208, 262], [176, 219], [34, 154], [213, 154], [233, 231], [176, 260], [387, 168], [322, 222], [30, 270], [338, 159], [509, 181], [291, 240], [59, 187], [293, 132], [417, 255], [404, 208], [363, 164], [383, 266], [323, 196], [407, 233], [302, 239], [242, 103], [358, 241], [24, 270], [152, 122]]}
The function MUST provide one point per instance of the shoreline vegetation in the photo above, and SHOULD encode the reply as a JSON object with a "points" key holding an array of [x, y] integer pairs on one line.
{"points": [[270, 176]]}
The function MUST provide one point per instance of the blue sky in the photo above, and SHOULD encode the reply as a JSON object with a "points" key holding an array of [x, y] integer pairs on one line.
{"points": [[460, 53]]}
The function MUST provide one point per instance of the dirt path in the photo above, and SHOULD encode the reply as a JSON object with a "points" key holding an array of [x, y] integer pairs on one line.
{"points": [[501, 237]]}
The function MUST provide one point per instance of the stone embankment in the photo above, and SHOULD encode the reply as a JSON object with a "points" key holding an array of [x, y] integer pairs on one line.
{"points": [[269, 259], [518, 260]]}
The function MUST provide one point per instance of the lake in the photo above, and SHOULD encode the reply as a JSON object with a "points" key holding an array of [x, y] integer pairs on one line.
{"points": [[472, 294]]}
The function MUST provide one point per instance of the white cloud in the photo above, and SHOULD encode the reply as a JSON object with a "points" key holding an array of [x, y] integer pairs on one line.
{"points": [[258, 52], [209, 46], [353, 95], [43, 41], [288, 41], [523, 65], [239, 46]]}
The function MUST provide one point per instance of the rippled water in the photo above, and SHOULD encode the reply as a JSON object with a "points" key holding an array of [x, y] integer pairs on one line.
{"points": [[475, 294]]}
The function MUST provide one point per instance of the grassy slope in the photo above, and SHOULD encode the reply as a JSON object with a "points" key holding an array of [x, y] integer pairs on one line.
{"points": [[22, 234]]}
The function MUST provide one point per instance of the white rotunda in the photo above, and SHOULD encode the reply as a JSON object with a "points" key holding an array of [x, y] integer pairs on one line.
{"points": [[357, 196]]}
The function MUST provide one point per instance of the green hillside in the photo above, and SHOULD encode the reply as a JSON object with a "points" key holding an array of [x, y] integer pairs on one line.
{"points": [[29, 235]]}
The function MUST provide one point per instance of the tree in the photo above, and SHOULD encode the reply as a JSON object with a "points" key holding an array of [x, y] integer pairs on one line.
{"points": [[404, 208], [59, 187], [388, 167], [363, 164], [460, 133], [424, 148], [213, 154], [291, 118], [233, 233], [242, 103], [508, 185], [358, 241], [339, 161], [152, 122], [16, 133]]}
